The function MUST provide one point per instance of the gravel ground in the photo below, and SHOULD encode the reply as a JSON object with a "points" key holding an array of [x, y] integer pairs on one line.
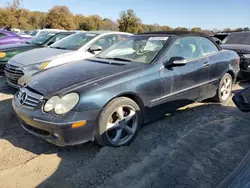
{"points": [[197, 146]]}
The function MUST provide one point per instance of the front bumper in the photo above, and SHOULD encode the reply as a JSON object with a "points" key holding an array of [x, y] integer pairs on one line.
{"points": [[244, 68], [57, 129]]}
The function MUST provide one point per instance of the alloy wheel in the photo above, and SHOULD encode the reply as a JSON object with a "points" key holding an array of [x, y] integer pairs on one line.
{"points": [[226, 87], [122, 125]]}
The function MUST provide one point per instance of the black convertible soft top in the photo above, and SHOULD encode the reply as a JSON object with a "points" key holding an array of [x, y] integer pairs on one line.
{"points": [[177, 33]]}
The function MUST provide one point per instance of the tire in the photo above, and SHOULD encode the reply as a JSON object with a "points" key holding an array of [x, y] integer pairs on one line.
{"points": [[222, 95], [120, 118]]}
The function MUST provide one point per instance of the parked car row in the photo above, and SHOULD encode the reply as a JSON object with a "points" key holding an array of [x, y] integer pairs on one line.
{"points": [[75, 47], [8, 37], [124, 81], [40, 41]]}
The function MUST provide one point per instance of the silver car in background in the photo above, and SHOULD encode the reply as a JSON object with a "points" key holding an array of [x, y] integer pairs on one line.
{"points": [[78, 46]]}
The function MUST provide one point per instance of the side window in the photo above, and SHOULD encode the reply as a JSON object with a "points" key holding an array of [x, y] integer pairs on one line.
{"points": [[2, 35], [187, 47], [121, 37], [207, 46], [58, 37], [107, 41]]}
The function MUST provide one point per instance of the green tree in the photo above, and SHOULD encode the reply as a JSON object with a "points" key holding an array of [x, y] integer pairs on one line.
{"points": [[129, 22], [81, 22], [196, 29], [4, 17], [16, 16], [37, 20], [227, 30], [166, 28], [94, 22], [60, 17], [181, 29], [108, 24]]}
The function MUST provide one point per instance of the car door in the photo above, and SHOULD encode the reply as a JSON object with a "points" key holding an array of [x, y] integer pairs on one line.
{"points": [[211, 52], [187, 79]]}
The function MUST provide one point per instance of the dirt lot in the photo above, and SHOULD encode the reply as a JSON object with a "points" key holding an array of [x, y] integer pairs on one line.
{"points": [[197, 146]]}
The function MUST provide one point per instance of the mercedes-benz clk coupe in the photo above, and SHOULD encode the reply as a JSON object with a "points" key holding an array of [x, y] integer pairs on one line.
{"points": [[108, 97]]}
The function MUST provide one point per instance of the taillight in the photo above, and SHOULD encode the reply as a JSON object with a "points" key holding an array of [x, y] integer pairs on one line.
{"points": [[239, 60]]}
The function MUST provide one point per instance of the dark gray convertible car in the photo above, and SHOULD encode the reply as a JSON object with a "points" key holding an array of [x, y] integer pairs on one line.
{"points": [[108, 97]]}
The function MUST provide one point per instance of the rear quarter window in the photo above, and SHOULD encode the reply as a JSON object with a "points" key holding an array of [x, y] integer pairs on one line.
{"points": [[207, 46]]}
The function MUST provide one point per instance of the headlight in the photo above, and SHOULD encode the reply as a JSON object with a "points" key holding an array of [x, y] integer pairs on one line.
{"points": [[44, 65], [37, 66], [2, 55], [246, 55], [61, 105]]}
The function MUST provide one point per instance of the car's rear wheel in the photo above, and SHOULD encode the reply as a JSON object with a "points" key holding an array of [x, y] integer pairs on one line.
{"points": [[224, 91], [118, 123]]}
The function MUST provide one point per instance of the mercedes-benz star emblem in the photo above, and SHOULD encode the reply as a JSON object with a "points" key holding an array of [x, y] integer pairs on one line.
{"points": [[23, 98]]}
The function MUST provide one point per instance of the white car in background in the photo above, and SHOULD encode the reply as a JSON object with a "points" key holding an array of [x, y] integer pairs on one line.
{"points": [[75, 47], [37, 32]]}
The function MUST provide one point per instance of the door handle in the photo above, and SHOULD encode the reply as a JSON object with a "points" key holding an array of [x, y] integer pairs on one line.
{"points": [[206, 64]]}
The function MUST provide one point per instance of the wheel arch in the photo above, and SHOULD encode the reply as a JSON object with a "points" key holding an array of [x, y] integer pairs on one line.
{"points": [[232, 75], [133, 96]]}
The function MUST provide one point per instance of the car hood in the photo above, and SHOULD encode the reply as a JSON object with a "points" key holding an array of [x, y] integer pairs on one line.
{"points": [[236, 47], [78, 74], [9, 47], [39, 55]]}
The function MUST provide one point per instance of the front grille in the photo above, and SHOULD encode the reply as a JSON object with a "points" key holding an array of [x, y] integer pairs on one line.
{"points": [[13, 73], [35, 130], [28, 99]]}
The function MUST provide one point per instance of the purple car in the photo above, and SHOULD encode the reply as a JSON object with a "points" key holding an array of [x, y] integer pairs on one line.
{"points": [[8, 37]]}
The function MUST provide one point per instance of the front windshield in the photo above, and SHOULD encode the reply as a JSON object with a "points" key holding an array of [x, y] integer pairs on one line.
{"points": [[40, 39], [142, 49], [237, 38], [74, 42], [33, 33]]}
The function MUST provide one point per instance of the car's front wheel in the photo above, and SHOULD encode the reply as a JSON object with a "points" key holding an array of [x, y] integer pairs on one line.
{"points": [[224, 91], [118, 123]]}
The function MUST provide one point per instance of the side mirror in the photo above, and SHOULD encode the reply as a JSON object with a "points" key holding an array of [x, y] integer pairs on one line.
{"points": [[218, 42], [242, 100], [175, 62], [50, 43], [95, 48]]}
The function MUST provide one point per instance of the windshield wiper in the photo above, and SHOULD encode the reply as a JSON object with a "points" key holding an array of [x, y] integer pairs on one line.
{"points": [[60, 48], [28, 42], [117, 59]]}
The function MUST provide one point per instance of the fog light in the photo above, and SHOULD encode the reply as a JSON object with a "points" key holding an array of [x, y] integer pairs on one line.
{"points": [[56, 135]]}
